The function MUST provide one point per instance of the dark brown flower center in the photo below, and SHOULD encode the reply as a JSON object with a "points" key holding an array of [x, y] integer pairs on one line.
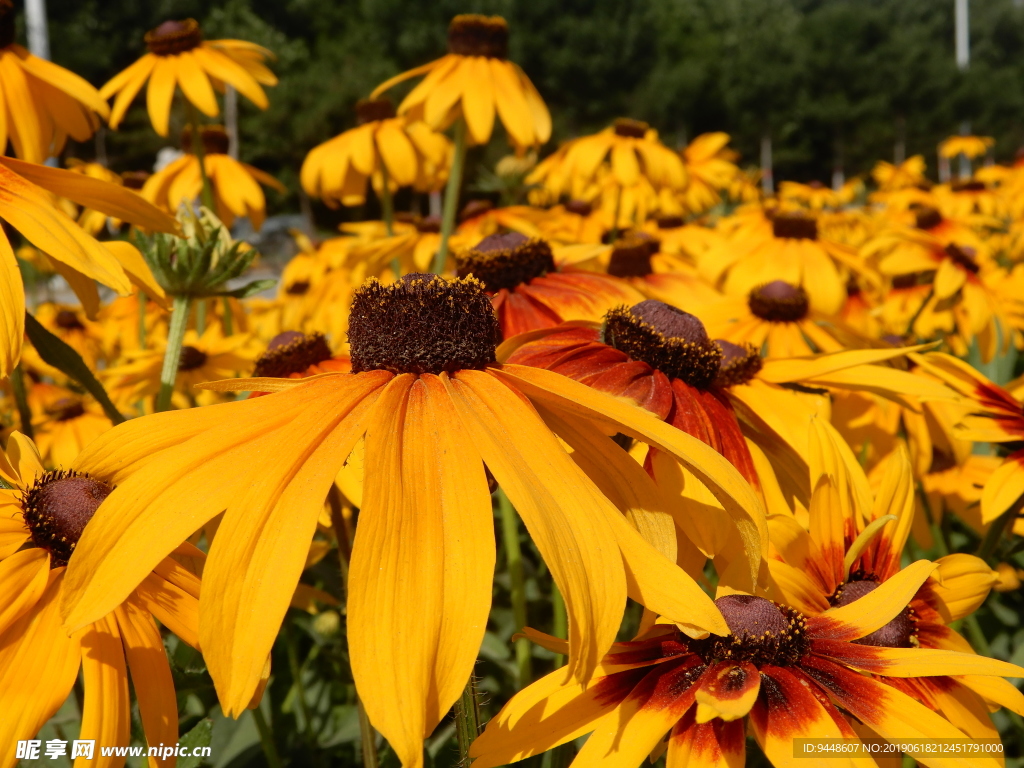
{"points": [[633, 129], [579, 207], [670, 222], [779, 302], [374, 110], [65, 409], [428, 224], [422, 324], [631, 255], [927, 217], [57, 508], [69, 320], [214, 137], [901, 632], [6, 23], [970, 185], [912, 280], [667, 339], [191, 358], [739, 364], [298, 288], [292, 352], [473, 35], [763, 632], [475, 208], [505, 261], [796, 226], [964, 256], [135, 179], [173, 37]]}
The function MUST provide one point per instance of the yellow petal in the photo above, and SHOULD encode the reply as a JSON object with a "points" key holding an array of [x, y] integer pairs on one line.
{"points": [[24, 576], [552, 497], [195, 84], [478, 99], [727, 690], [511, 103], [106, 716], [1003, 488], [160, 92], [424, 546], [961, 584], [127, 85], [916, 662], [12, 309], [227, 70], [38, 667], [151, 676]]}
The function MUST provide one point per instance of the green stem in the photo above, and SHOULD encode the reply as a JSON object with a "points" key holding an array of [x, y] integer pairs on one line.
{"points": [[21, 399], [935, 526], [201, 316], [978, 639], [266, 739], [467, 720], [387, 211], [142, 319], [451, 195], [172, 355], [998, 528], [910, 326], [200, 152], [300, 690], [368, 738], [517, 583], [560, 624], [229, 319]]}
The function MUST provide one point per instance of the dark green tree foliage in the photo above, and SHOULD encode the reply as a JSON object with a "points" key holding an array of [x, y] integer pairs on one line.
{"points": [[828, 79]]}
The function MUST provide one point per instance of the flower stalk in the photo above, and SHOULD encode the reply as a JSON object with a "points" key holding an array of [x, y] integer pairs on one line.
{"points": [[172, 354], [451, 195], [517, 584], [467, 720]]}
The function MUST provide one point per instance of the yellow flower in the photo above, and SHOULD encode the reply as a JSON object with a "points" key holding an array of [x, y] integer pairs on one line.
{"points": [[473, 81], [64, 422], [26, 204], [42, 516], [710, 170], [909, 173], [42, 104], [971, 146], [338, 170], [179, 55], [814, 195], [235, 188], [434, 407]]}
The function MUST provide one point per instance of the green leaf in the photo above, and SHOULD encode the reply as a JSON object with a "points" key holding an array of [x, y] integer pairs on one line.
{"points": [[250, 289], [199, 736], [62, 357]]}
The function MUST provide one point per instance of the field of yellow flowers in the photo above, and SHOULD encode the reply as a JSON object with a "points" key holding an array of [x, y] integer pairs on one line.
{"points": [[651, 466]]}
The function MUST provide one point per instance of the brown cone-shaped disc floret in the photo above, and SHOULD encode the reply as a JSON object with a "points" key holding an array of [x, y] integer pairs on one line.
{"points": [[57, 508], [633, 129], [174, 37], [739, 364], [927, 217], [901, 632], [291, 352], [763, 632], [779, 301], [579, 207], [68, 320], [422, 324], [214, 137], [505, 261], [470, 34], [191, 358], [797, 226], [964, 256], [631, 255], [668, 339], [374, 110], [65, 409]]}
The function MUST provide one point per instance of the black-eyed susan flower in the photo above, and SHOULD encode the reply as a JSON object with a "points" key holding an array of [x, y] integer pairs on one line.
{"points": [[970, 146], [28, 207], [909, 173], [42, 104], [382, 147], [782, 673], [434, 407], [178, 56], [42, 516], [790, 250], [529, 292], [710, 169], [64, 422], [853, 548], [236, 185], [475, 81]]}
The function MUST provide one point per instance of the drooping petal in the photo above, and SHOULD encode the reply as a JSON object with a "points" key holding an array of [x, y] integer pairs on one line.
{"points": [[195, 84], [23, 578], [552, 496], [151, 676], [913, 662], [38, 667], [727, 691], [106, 716], [424, 547], [478, 99], [12, 309], [961, 584], [160, 93], [717, 744]]}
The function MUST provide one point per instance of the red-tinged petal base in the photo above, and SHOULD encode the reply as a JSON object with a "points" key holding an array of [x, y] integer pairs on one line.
{"points": [[579, 353]]}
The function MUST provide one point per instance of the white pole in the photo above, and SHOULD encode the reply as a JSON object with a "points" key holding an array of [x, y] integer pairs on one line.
{"points": [[963, 61], [38, 33]]}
